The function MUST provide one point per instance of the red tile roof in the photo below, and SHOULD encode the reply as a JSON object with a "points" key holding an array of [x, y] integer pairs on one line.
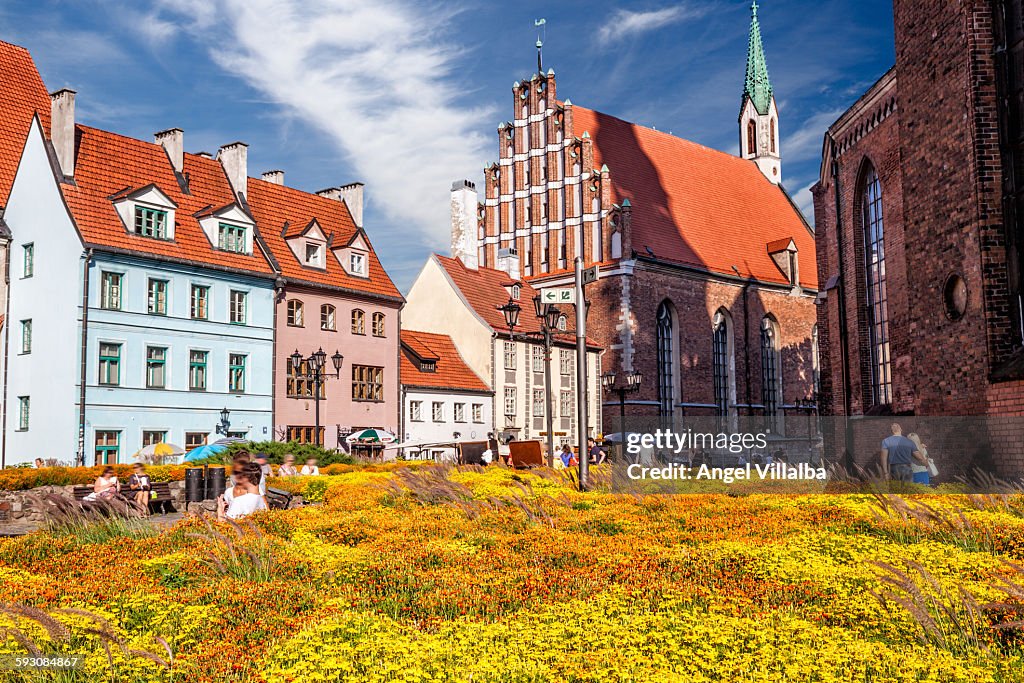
{"points": [[451, 371], [22, 95], [274, 206], [108, 164], [694, 205], [484, 290]]}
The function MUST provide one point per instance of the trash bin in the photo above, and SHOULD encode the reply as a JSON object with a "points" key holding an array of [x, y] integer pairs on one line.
{"points": [[214, 483], [195, 484]]}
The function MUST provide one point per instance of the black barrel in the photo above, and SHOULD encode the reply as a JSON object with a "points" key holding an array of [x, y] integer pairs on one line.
{"points": [[214, 483], [195, 484]]}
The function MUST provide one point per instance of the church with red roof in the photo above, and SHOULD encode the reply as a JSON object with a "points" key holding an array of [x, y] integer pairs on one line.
{"points": [[707, 276]]}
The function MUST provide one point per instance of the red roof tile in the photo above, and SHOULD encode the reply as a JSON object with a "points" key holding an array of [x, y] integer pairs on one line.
{"points": [[275, 205], [484, 290], [108, 163], [694, 205], [451, 371], [22, 95]]}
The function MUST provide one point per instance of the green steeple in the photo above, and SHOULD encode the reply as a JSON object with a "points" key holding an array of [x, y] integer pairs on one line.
{"points": [[758, 87]]}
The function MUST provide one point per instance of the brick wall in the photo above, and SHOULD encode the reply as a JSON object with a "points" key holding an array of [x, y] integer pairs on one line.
{"points": [[695, 299]]}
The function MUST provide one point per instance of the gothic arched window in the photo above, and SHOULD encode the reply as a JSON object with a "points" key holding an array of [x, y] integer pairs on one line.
{"points": [[666, 358], [771, 380], [751, 138], [877, 291], [773, 136], [722, 363]]}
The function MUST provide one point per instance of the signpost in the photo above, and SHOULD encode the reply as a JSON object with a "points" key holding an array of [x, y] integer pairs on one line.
{"points": [[559, 295]]}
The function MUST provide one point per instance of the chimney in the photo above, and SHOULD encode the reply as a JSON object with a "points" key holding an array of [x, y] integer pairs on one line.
{"points": [[352, 195], [234, 159], [62, 129], [508, 261], [276, 177], [465, 227], [173, 142], [330, 193]]}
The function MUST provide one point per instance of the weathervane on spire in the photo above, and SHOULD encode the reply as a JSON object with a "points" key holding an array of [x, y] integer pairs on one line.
{"points": [[540, 24], [753, 7]]}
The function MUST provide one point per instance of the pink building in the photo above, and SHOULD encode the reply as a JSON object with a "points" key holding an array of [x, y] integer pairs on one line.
{"points": [[333, 294]]}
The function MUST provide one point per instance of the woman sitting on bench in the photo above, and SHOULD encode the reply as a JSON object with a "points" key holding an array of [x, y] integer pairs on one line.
{"points": [[141, 487], [106, 487]]}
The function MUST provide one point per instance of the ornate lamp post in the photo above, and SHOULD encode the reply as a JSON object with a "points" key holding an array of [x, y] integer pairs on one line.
{"points": [[225, 422], [315, 366], [549, 316], [633, 382]]}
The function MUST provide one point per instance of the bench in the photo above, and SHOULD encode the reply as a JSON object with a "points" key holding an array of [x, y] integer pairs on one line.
{"points": [[162, 502], [278, 499]]}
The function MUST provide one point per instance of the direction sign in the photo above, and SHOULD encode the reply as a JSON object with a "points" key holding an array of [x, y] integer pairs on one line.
{"points": [[590, 275], [561, 295]]}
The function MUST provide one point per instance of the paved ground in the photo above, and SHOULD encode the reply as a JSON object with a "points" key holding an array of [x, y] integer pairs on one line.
{"points": [[21, 527]]}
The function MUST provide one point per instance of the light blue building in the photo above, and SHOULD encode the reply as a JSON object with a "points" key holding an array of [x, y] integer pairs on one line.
{"points": [[142, 296], [169, 347]]}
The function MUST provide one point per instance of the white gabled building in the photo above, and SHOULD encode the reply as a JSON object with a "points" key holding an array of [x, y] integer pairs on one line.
{"points": [[443, 400]]}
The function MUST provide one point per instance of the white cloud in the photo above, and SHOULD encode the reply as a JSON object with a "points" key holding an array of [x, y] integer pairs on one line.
{"points": [[376, 77], [626, 23], [805, 201], [805, 144]]}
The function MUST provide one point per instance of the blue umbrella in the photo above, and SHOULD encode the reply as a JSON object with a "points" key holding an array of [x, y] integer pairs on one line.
{"points": [[207, 451]]}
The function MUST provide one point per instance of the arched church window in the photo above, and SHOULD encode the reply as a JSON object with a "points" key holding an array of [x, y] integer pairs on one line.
{"points": [[877, 289]]}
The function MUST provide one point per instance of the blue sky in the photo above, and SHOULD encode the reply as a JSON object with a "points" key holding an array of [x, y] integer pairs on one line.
{"points": [[406, 96]]}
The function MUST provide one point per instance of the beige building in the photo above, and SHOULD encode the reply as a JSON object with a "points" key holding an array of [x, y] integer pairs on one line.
{"points": [[461, 301]]}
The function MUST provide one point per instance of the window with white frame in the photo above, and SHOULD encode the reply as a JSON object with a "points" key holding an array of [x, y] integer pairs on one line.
{"points": [[538, 359], [437, 411], [565, 404], [510, 355], [478, 412], [510, 401], [460, 412], [416, 411], [538, 403], [357, 264], [314, 254], [565, 364]]}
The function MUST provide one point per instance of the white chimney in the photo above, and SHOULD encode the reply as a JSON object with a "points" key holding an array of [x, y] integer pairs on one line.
{"points": [[173, 142], [508, 261], [276, 177], [330, 193], [352, 195], [465, 227], [62, 129], [234, 159]]}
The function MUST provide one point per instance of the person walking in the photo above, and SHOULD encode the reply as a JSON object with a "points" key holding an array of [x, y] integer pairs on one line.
{"points": [[898, 455], [596, 453]]}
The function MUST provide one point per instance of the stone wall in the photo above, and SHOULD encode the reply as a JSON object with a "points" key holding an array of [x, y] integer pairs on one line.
{"points": [[16, 507]]}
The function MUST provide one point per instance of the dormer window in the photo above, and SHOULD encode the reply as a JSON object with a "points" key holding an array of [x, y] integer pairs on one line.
{"points": [[150, 222], [314, 254], [428, 366], [231, 238], [357, 264], [516, 292]]}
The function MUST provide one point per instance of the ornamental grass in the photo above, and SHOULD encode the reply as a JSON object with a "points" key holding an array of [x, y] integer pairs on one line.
{"points": [[419, 572]]}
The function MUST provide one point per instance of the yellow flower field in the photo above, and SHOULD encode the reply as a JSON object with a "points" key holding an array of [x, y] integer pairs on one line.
{"points": [[429, 573]]}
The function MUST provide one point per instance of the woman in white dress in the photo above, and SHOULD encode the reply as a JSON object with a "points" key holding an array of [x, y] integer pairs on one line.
{"points": [[106, 486], [244, 497], [310, 469]]}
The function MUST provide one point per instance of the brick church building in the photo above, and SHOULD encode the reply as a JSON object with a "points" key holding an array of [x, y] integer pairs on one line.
{"points": [[921, 263], [707, 270]]}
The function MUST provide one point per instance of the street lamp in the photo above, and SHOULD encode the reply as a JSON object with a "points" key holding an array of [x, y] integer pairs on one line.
{"points": [[548, 315], [633, 381], [225, 422], [316, 364]]}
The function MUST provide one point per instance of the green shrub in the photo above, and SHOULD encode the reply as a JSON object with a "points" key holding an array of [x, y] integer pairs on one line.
{"points": [[276, 451]]}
